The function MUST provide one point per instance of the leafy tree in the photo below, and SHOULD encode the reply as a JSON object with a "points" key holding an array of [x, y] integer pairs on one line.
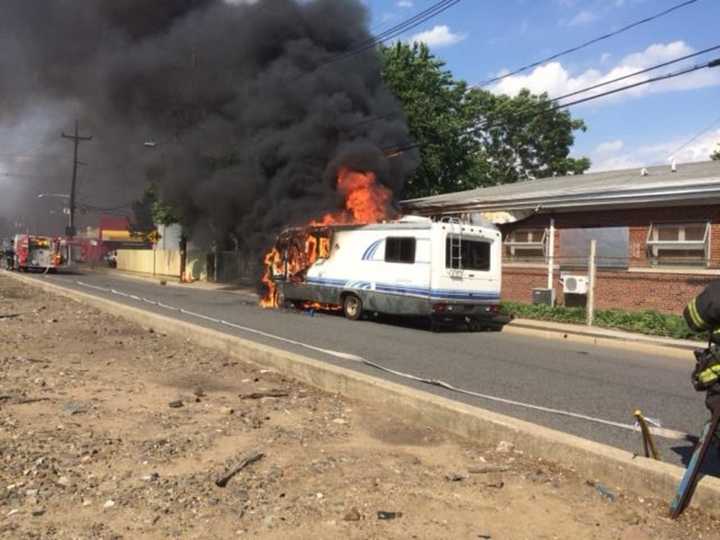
{"points": [[150, 210], [715, 155], [472, 137], [524, 137], [438, 114]]}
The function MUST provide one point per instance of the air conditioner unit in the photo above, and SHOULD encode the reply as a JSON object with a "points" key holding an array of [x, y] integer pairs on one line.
{"points": [[575, 284]]}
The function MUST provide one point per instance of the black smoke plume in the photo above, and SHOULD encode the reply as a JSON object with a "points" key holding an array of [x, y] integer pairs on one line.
{"points": [[249, 109]]}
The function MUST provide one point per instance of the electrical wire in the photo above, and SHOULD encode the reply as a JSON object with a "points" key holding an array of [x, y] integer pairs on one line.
{"points": [[588, 43], [392, 33], [640, 72], [696, 137], [659, 78], [391, 152]]}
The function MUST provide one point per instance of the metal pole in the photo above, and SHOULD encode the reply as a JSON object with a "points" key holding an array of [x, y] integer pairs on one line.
{"points": [[592, 267], [551, 258]]}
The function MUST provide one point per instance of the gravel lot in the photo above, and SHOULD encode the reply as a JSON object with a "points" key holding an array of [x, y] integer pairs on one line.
{"points": [[112, 430]]}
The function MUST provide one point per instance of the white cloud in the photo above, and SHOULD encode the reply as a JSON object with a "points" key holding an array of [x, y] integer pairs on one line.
{"points": [[556, 80], [609, 147], [438, 36], [605, 57], [609, 156], [404, 3], [583, 17]]}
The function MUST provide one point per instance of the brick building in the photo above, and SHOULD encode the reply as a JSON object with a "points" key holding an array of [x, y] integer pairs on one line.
{"points": [[657, 232]]}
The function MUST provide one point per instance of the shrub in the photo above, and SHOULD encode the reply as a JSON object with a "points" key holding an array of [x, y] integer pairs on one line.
{"points": [[643, 322]]}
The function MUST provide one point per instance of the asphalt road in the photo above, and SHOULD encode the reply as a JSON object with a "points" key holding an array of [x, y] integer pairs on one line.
{"points": [[606, 383]]}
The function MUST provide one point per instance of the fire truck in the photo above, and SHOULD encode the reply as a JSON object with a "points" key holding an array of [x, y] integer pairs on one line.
{"points": [[41, 253]]}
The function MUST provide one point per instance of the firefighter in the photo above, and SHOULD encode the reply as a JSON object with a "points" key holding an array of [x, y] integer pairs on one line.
{"points": [[9, 255], [702, 314]]}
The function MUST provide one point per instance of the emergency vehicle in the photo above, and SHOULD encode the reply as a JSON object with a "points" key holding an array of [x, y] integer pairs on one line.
{"points": [[41, 253]]}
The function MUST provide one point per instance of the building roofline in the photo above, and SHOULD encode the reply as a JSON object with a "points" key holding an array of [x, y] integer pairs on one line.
{"points": [[595, 190]]}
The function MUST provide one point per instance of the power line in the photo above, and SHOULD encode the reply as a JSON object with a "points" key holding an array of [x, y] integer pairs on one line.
{"points": [[391, 152], [608, 82], [409, 24], [696, 137], [642, 71], [588, 43], [712, 63]]}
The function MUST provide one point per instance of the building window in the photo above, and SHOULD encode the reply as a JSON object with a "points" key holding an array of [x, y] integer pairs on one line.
{"points": [[678, 243], [526, 245], [400, 250], [461, 254]]}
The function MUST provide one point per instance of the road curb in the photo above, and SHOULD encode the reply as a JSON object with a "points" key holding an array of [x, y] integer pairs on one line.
{"points": [[613, 467], [579, 334]]}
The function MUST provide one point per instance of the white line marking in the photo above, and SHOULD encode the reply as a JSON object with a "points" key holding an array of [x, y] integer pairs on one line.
{"points": [[659, 431]]}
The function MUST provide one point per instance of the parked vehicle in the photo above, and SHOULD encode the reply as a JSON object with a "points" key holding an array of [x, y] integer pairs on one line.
{"points": [[41, 253], [446, 270]]}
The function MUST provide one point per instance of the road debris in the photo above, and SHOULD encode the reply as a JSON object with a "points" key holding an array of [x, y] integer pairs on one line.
{"points": [[176, 404], [504, 447], [382, 514], [603, 490], [246, 459], [353, 515], [455, 477], [488, 469], [265, 394]]}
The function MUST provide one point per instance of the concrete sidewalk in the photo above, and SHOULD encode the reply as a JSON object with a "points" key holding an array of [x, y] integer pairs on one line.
{"points": [[560, 330]]}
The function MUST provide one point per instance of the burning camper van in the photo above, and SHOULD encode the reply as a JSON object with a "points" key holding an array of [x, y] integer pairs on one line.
{"points": [[446, 270]]}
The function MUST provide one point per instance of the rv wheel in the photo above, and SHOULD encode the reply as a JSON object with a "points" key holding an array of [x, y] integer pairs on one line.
{"points": [[280, 299], [352, 307]]}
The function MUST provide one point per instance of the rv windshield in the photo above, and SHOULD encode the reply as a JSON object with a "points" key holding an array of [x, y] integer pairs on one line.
{"points": [[475, 254]]}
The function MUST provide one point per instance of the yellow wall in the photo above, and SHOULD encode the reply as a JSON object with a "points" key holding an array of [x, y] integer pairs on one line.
{"points": [[147, 261]]}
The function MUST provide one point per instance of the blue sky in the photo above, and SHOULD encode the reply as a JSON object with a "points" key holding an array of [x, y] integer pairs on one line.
{"points": [[480, 38]]}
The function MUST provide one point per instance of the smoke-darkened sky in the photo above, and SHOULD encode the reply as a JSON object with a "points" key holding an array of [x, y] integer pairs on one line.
{"points": [[250, 110]]}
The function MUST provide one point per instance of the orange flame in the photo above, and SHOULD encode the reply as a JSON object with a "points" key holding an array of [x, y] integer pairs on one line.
{"points": [[366, 202]]}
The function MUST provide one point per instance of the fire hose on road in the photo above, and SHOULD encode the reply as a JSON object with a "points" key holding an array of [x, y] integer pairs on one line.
{"points": [[655, 429]]}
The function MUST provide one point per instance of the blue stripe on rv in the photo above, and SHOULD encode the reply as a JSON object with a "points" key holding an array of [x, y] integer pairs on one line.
{"points": [[452, 294], [371, 249]]}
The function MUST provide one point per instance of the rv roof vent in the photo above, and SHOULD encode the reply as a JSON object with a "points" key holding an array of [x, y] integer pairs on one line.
{"points": [[414, 219]]}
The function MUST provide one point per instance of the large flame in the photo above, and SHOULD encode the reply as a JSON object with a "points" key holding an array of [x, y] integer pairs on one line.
{"points": [[366, 201]]}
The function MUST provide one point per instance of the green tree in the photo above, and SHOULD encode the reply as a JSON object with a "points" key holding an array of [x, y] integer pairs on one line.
{"points": [[524, 137], [715, 155], [150, 210], [472, 137], [439, 117]]}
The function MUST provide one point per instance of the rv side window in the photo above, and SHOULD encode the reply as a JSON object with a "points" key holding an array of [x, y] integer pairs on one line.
{"points": [[400, 250], [467, 254]]}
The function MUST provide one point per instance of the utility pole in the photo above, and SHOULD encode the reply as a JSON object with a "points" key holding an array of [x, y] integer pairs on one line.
{"points": [[592, 271], [77, 139]]}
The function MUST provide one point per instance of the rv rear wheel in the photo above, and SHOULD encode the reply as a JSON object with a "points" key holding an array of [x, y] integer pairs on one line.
{"points": [[352, 307]]}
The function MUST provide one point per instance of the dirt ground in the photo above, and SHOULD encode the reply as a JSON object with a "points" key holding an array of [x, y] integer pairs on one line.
{"points": [[112, 430]]}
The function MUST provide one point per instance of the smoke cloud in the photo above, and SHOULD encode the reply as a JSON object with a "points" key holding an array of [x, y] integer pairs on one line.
{"points": [[250, 111]]}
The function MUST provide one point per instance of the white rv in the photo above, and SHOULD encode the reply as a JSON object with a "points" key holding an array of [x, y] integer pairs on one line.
{"points": [[445, 270]]}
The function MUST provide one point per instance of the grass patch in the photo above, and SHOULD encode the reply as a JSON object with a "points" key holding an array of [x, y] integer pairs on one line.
{"points": [[646, 322]]}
